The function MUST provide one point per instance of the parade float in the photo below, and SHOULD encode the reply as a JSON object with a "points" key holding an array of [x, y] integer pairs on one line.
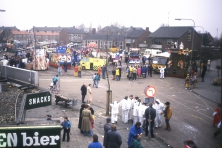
{"points": [[134, 56]]}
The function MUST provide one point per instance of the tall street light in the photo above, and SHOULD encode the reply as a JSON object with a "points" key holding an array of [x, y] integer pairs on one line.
{"points": [[179, 19], [201, 47]]}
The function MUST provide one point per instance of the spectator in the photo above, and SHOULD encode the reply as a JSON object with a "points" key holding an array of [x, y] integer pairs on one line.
{"points": [[135, 130], [106, 127], [95, 143], [114, 139], [66, 125], [136, 143], [80, 117], [167, 114], [150, 115], [86, 121]]}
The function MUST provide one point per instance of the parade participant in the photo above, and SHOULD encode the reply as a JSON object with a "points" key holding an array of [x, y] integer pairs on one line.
{"points": [[76, 71], [216, 115], [150, 115], [103, 71], [136, 143], [131, 102], [65, 65], [94, 80], [125, 109], [114, 112], [106, 127], [117, 74], [84, 91], [86, 121], [79, 70], [66, 125], [187, 82], [80, 117], [99, 70], [89, 94], [135, 110], [114, 139], [162, 72], [95, 143], [135, 131], [141, 111], [97, 79], [167, 114], [159, 106], [150, 70]]}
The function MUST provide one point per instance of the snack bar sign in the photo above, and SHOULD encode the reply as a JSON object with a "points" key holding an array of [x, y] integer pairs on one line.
{"points": [[38, 137], [38, 100]]}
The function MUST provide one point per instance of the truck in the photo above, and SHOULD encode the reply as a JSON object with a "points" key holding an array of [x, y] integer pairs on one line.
{"points": [[134, 55], [153, 52], [91, 63], [160, 60]]}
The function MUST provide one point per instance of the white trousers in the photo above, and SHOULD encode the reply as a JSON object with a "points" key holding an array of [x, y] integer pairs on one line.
{"points": [[158, 120], [125, 114], [161, 75], [114, 118], [129, 114], [135, 119], [141, 121]]}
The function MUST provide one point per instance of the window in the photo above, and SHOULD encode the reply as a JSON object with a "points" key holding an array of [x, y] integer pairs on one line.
{"points": [[128, 40], [157, 41], [169, 41]]}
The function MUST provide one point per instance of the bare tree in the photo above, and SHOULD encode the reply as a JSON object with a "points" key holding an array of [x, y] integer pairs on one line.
{"points": [[81, 27]]}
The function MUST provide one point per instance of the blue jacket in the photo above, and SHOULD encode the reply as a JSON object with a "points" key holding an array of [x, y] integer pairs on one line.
{"points": [[66, 124], [55, 79], [103, 69], [133, 134], [95, 145], [143, 70]]}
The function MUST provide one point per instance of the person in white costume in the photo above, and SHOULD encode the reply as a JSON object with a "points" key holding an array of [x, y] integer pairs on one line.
{"points": [[162, 70], [114, 111], [135, 111], [131, 104], [159, 106], [125, 109], [141, 113]]}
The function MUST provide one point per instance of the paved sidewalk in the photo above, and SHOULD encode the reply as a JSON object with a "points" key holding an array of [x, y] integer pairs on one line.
{"points": [[77, 140], [206, 89]]}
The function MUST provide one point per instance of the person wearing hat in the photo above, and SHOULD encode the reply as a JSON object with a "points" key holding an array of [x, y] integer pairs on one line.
{"points": [[167, 114], [159, 106], [49, 117], [106, 127]]}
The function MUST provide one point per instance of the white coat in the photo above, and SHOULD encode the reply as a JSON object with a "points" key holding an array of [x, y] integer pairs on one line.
{"points": [[135, 110], [159, 107], [125, 104], [162, 69], [115, 107]]}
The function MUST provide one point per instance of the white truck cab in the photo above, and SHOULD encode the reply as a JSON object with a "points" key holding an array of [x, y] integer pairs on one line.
{"points": [[153, 52]]}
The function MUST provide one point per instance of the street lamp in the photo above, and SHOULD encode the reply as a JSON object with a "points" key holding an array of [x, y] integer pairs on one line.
{"points": [[2, 10], [179, 19], [201, 47]]}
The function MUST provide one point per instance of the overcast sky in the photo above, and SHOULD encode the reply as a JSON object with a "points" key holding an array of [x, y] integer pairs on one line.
{"points": [[138, 13]]}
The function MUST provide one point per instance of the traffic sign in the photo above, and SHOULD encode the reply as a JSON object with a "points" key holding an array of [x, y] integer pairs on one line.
{"points": [[150, 91]]}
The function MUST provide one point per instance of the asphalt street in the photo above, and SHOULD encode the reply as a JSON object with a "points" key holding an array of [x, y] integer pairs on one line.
{"points": [[192, 109]]}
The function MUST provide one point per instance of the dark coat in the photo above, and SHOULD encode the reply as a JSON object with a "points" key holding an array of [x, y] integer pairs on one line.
{"points": [[83, 90], [114, 139], [204, 71], [150, 111], [92, 110], [107, 127], [80, 117]]}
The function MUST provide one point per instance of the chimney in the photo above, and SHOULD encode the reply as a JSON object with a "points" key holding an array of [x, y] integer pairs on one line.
{"points": [[73, 26], [93, 30], [147, 29], [45, 26]]}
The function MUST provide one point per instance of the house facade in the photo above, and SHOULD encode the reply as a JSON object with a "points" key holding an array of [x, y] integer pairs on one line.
{"points": [[171, 38], [136, 38]]}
